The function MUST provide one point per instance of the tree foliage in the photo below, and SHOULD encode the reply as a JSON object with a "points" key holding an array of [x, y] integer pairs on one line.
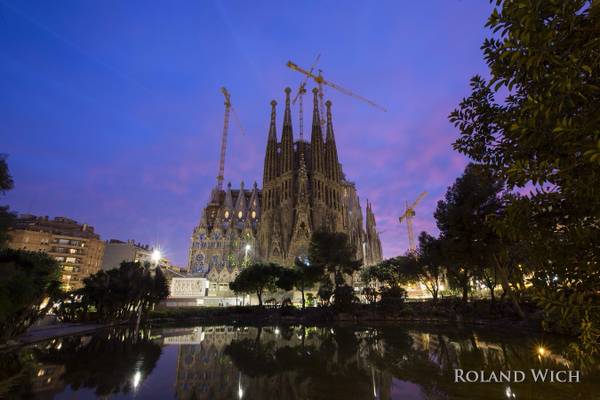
{"points": [[257, 279], [430, 263], [536, 124], [27, 279], [118, 294], [334, 255], [6, 217]]}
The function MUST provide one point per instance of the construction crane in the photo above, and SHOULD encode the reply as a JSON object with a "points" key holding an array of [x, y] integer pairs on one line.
{"points": [[300, 94], [408, 215], [228, 109], [320, 81]]}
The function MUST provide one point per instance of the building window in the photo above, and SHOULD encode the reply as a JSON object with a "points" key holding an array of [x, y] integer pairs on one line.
{"points": [[253, 214], [73, 251], [71, 260]]}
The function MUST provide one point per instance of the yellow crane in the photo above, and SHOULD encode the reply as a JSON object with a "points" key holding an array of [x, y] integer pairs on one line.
{"points": [[228, 109], [408, 215], [300, 94], [321, 81]]}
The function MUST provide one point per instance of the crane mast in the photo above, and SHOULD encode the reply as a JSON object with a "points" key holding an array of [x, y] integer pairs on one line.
{"points": [[300, 95], [409, 227], [321, 95], [221, 174], [301, 92], [408, 215]]}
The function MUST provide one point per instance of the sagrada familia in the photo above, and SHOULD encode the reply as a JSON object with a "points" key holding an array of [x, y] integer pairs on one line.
{"points": [[304, 189]]}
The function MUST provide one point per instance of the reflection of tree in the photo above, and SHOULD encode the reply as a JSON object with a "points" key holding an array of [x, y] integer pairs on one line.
{"points": [[115, 362], [324, 369], [428, 359], [15, 375]]}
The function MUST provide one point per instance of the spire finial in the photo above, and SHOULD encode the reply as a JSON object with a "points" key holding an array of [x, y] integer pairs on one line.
{"points": [[316, 106], [287, 118], [272, 128], [329, 122]]}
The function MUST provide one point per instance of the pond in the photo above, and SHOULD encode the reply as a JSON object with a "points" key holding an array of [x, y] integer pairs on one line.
{"points": [[298, 362]]}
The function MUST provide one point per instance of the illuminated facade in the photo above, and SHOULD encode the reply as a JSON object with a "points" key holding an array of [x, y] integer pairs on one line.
{"points": [[77, 249], [304, 190]]}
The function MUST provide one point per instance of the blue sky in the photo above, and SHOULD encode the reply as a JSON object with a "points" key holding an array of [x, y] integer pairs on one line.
{"points": [[111, 111]]}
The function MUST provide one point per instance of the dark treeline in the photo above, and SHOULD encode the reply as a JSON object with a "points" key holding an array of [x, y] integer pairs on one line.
{"points": [[329, 267], [119, 294]]}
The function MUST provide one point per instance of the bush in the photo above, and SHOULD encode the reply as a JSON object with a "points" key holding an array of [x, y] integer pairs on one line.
{"points": [[344, 297], [394, 296]]}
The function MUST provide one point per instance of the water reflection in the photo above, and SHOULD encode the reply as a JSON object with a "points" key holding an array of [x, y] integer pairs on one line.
{"points": [[224, 362]]}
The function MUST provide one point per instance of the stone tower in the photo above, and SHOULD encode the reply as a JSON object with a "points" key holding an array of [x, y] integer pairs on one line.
{"points": [[305, 189]]}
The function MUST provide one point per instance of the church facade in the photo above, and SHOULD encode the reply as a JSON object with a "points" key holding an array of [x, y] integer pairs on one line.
{"points": [[304, 189]]}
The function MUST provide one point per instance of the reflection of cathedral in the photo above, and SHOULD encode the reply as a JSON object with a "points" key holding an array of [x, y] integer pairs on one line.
{"points": [[304, 190]]}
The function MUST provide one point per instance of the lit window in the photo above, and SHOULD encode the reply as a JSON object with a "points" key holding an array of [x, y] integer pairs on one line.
{"points": [[71, 260], [253, 214], [226, 214], [73, 251], [240, 214]]}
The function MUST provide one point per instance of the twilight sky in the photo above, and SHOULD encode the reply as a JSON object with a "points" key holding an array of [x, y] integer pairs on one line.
{"points": [[111, 111]]}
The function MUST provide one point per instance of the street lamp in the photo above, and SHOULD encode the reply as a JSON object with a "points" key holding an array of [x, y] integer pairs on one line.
{"points": [[156, 256]]}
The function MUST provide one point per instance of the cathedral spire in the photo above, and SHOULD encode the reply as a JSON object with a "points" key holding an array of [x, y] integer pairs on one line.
{"points": [[272, 126], [317, 136], [331, 157], [287, 138], [271, 167]]}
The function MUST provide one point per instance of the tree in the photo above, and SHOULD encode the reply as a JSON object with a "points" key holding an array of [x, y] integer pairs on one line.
{"points": [[467, 238], [6, 217], [430, 263], [389, 275], [121, 294], [333, 253], [302, 276], [257, 278], [28, 279], [536, 124]]}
